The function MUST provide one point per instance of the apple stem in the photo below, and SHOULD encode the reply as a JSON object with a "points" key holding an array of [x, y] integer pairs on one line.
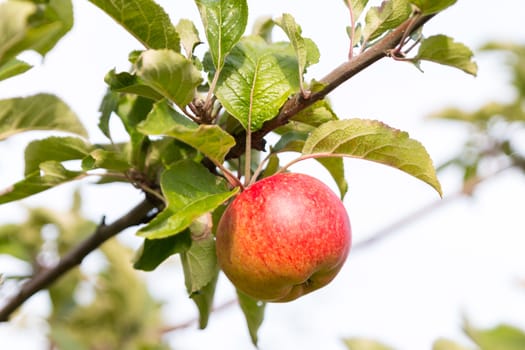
{"points": [[248, 155], [259, 169]]}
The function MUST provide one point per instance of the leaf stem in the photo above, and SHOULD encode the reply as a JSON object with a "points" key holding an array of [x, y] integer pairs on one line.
{"points": [[209, 97], [352, 33], [313, 156]]}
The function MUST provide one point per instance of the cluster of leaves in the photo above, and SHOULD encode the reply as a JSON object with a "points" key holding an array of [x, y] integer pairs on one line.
{"points": [[118, 313], [494, 128], [197, 125]]}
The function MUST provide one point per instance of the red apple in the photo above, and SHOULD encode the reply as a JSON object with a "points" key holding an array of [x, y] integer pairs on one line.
{"points": [[283, 237]]}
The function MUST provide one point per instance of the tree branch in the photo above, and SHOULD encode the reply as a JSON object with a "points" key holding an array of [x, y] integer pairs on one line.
{"points": [[332, 80], [138, 215]]}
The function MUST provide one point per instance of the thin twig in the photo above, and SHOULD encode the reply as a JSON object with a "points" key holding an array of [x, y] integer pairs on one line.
{"points": [[138, 215]]}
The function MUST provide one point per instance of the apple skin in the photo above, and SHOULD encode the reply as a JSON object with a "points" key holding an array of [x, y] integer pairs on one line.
{"points": [[283, 237]]}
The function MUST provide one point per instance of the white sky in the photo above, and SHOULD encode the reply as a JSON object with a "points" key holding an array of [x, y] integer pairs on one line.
{"points": [[464, 259]]}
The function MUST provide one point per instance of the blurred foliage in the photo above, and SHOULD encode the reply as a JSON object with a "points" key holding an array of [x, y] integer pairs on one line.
{"points": [[496, 129], [107, 309], [495, 142]]}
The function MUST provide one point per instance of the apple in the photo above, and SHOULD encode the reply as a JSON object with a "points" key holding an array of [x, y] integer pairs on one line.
{"points": [[283, 237]]}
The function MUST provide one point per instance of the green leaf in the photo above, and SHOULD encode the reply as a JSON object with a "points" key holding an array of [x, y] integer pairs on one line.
{"points": [[504, 337], [428, 7], [263, 27], [318, 113], [130, 83], [132, 110], [108, 105], [11, 244], [199, 264], [191, 191], [14, 16], [253, 311], [13, 67], [189, 36], [204, 300], [374, 141], [211, 140], [38, 112], [364, 344], [170, 74], [335, 167], [445, 344], [304, 59], [390, 14], [444, 50], [49, 175], [54, 148], [256, 80], [154, 251], [224, 23], [106, 159], [28, 26], [357, 7], [145, 20]]}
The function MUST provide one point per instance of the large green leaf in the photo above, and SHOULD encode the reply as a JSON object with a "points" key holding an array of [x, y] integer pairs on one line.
{"points": [[444, 50], [432, 6], [211, 140], [191, 191], [54, 148], [224, 23], [145, 20], [375, 141], [13, 67], [256, 80], [38, 112], [28, 26], [388, 15], [504, 337], [50, 174], [253, 313], [170, 74]]}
